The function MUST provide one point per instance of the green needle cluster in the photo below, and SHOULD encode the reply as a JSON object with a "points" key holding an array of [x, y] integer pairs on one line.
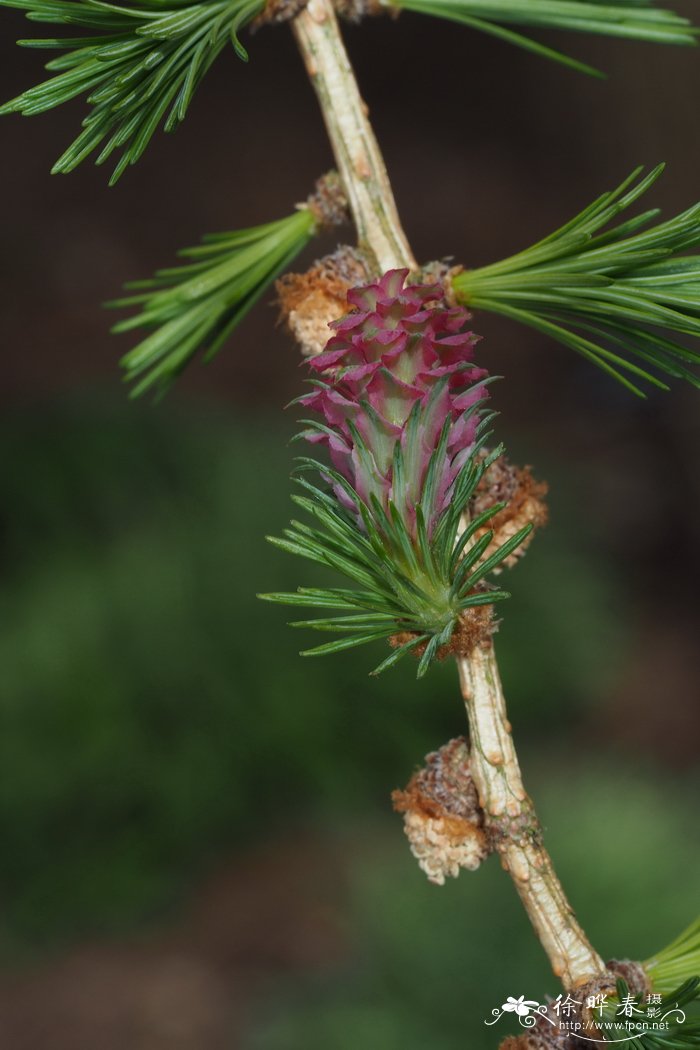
{"points": [[195, 307], [634, 19], [676, 963], [615, 294], [402, 583], [137, 64]]}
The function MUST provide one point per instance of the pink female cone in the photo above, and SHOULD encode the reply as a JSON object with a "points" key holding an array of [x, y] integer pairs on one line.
{"points": [[400, 347]]}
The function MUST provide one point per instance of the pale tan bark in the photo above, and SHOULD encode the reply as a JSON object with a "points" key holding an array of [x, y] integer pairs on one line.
{"points": [[356, 150], [511, 818], [508, 810]]}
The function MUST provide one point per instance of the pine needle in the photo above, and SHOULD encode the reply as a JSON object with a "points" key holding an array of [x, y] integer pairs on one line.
{"points": [[616, 294], [633, 19], [139, 65], [194, 308]]}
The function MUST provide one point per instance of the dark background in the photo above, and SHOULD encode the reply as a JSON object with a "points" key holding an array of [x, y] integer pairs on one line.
{"points": [[196, 844]]}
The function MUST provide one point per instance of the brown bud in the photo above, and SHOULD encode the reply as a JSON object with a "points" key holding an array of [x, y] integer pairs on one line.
{"points": [[587, 993], [633, 973], [356, 10], [442, 817], [474, 627], [541, 1038], [503, 482], [328, 203], [276, 11], [528, 1041], [443, 273], [544, 1034], [310, 301]]}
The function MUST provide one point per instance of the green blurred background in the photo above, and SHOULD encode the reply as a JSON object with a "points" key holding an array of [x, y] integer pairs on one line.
{"points": [[197, 845]]}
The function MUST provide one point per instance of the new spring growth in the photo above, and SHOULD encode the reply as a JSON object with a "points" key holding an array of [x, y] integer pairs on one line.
{"points": [[618, 294], [630, 19], [676, 963], [400, 407], [193, 308], [138, 65]]}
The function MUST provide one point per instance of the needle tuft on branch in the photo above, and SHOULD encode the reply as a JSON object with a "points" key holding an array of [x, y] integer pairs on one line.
{"points": [[632, 19], [619, 295], [194, 308], [138, 65]]}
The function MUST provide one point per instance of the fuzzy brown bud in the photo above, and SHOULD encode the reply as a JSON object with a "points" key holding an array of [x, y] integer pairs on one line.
{"points": [[474, 627], [541, 1037], [442, 272], [442, 817], [356, 10], [525, 505], [546, 1032], [310, 301], [633, 973], [328, 203], [276, 11]]}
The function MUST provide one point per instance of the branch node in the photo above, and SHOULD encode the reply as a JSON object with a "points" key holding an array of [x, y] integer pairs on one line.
{"points": [[521, 827]]}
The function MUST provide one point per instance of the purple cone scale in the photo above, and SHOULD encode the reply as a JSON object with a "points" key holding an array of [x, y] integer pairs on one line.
{"points": [[399, 347]]}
